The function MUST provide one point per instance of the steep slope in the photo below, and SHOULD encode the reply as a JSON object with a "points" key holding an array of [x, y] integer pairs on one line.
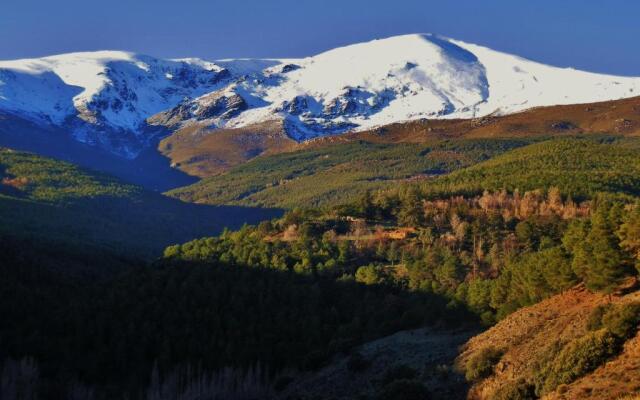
{"points": [[620, 117], [531, 336], [580, 167], [110, 98], [196, 151]]}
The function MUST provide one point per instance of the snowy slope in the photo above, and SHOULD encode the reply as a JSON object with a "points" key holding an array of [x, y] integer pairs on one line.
{"points": [[106, 98], [516, 84], [108, 91], [411, 77]]}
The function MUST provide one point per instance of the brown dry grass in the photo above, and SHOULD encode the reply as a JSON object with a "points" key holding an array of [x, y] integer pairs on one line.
{"points": [[200, 151], [530, 333]]}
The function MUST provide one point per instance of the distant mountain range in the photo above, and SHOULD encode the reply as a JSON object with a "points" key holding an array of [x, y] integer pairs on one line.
{"points": [[123, 102]]}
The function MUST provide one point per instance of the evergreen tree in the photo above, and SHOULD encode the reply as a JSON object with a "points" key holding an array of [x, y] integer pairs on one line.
{"points": [[410, 213], [629, 233], [605, 263], [365, 206]]}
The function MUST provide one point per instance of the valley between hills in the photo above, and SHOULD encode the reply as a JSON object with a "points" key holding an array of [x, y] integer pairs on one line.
{"points": [[188, 230]]}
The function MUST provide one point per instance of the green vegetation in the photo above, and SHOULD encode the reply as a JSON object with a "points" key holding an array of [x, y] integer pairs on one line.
{"points": [[579, 167], [290, 293], [516, 390], [629, 234], [598, 257], [185, 313], [482, 363], [609, 326], [61, 203], [492, 253], [579, 357], [620, 319], [47, 180], [337, 173]]}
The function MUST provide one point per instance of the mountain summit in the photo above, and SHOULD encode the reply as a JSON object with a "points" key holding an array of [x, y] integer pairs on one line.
{"points": [[110, 99]]}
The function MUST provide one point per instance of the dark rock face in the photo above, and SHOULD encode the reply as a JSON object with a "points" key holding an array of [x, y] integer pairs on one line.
{"points": [[357, 102], [296, 106], [222, 75], [306, 117], [222, 105], [301, 129], [219, 105], [288, 68]]}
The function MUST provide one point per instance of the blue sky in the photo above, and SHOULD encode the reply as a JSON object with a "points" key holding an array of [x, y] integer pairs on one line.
{"points": [[601, 36]]}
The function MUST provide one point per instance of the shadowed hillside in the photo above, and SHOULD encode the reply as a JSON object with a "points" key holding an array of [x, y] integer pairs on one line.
{"points": [[150, 169], [58, 201]]}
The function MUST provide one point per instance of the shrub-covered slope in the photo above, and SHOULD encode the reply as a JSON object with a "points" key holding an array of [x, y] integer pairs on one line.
{"points": [[575, 345], [338, 173]]}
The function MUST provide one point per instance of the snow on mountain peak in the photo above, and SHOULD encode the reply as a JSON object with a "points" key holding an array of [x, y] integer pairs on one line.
{"points": [[103, 90], [408, 77], [371, 83], [101, 95]]}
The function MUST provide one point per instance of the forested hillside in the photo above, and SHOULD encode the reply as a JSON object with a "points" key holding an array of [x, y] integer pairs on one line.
{"points": [[338, 173], [348, 217], [579, 167], [251, 312], [59, 202]]}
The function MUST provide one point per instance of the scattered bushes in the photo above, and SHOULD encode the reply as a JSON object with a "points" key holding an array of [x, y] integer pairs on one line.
{"points": [[481, 364], [595, 318], [622, 320], [580, 357], [516, 390], [610, 325]]}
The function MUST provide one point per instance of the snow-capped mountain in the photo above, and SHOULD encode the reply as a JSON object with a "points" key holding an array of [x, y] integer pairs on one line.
{"points": [[107, 98], [103, 97]]}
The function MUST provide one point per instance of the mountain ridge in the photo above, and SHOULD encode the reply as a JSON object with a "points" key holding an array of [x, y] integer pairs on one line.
{"points": [[120, 101]]}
